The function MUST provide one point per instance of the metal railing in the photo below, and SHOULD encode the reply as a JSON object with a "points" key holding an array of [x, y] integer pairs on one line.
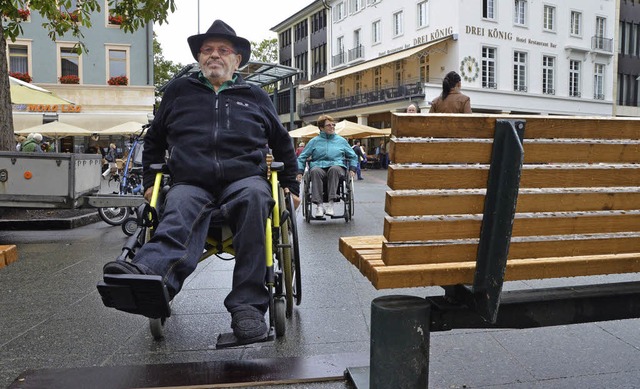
{"points": [[365, 98], [601, 43], [356, 53], [338, 59]]}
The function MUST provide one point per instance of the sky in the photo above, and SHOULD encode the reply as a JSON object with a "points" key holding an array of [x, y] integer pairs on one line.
{"points": [[252, 19]]}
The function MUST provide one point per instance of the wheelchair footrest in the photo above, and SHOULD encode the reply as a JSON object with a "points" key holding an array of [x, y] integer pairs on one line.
{"points": [[140, 294], [228, 339]]}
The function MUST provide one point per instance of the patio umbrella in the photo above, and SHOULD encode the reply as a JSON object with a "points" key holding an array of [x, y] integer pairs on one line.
{"points": [[128, 128], [55, 130], [308, 131], [25, 93], [348, 129]]}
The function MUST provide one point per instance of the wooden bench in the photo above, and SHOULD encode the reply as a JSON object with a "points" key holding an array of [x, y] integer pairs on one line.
{"points": [[8, 254], [476, 200]]}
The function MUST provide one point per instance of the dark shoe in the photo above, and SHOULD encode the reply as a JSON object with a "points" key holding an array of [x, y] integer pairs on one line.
{"points": [[360, 178], [248, 324], [127, 288], [121, 267]]}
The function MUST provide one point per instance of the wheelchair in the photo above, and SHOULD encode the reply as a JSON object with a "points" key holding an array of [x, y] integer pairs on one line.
{"points": [[282, 257], [345, 193]]}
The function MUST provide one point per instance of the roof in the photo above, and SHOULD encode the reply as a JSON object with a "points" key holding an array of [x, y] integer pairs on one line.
{"points": [[254, 72]]}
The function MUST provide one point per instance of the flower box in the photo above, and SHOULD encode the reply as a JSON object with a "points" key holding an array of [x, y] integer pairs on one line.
{"points": [[70, 79], [24, 14], [73, 16], [21, 76], [116, 19], [119, 80]]}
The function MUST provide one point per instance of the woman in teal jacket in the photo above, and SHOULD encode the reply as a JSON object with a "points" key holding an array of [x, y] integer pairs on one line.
{"points": [[329, 156]]}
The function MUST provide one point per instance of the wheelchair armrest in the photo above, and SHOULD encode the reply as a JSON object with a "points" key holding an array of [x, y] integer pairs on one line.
{"points": [[159, 167], [277, 166]]}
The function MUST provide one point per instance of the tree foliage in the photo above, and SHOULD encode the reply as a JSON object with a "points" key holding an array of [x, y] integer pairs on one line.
{"points": [[135, 14], [265, 51]]}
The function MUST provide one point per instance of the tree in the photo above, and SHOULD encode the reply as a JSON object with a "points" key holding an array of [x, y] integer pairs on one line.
{"points": [[134, 14], [163, 69], [265, 51]]}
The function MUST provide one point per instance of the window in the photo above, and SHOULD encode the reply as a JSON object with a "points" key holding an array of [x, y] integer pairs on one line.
{"points": [[519, 71], [338, 12], [285, 38], [112, 20], [548, 75], [398, 28], [601, 30], [423, 14], [489, 67], [301, 64], [301, 31], [519, 15], [118, 64], [424, 68], [549, 18], [69, 61], [598, 81], [356, 6], [574, 78], [399, 72], [19, 59], [488, 9], [377, 78], [576, 23], [375, 32], [319, 59]]}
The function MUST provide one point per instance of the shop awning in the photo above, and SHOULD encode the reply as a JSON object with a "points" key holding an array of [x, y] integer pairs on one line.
{"points": [[375, 62], [96, 122]]}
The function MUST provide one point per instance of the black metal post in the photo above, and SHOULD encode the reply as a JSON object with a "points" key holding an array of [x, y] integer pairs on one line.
{"points": [[399, 343]]}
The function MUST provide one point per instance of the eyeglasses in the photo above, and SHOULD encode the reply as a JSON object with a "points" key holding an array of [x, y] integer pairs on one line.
{"points": [[223, 51], [330, 125]]}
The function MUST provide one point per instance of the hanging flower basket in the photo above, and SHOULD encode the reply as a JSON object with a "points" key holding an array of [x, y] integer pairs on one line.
{"points": [[119, 80], [70, 79], [21, 76]]}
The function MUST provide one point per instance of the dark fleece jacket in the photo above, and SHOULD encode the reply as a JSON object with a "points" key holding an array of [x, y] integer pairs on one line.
{"points": [[214, 139]]}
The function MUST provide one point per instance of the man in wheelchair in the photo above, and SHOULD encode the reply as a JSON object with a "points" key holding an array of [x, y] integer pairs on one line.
{"points": [[329, 157], [217, 130]]}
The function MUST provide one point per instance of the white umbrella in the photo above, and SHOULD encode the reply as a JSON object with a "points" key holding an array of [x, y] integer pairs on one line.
{"points": [[56, 130], [127, 128], [308, 131], [25, 93], [348, 129]]}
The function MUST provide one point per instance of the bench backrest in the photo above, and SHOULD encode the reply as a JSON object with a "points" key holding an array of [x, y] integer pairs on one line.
{"points": [[578, 206]]}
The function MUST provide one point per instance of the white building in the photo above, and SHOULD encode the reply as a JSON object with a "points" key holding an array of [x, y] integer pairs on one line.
{"points": [[520, 56]]}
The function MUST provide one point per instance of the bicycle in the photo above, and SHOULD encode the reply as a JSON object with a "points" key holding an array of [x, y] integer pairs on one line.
{"points": [[129, 183]]}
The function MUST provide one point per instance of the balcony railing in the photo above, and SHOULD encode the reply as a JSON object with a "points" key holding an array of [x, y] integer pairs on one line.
{"points": [[598, 96], [548, 91], [601, 43], [520, 88], [489, 85], [365, 98], [356, 53], [338, 59], [575, 94]]}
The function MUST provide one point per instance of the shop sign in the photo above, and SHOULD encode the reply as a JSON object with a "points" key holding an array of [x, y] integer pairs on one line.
{"points": [[66, 108], [505, 35]]}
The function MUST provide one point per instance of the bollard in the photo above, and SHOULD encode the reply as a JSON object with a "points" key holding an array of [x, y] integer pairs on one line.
{"points": [[399, 343]]}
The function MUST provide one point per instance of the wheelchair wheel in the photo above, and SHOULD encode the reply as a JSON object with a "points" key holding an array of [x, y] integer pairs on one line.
{"points": [[290, 257], [130, 225], [157, 328], [306, 198], [279, 313], [349, 202], [114, 216]]}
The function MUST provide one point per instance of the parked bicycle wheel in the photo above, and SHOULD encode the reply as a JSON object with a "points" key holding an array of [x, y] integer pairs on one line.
{"points": [[114, 216]]}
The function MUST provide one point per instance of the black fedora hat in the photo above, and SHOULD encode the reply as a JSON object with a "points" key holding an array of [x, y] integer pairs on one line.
{"points": [[220, 29]]}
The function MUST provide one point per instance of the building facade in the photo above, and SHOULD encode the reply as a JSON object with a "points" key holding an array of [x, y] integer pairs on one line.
{"points": [[91, 80], [628, 85], [515, 56]]}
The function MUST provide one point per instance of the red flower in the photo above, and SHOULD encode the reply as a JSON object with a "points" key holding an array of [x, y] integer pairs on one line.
{"points": [[70, 79], [21, 76], [24, 13], [73, 16], [116, 19], [119, 80]]}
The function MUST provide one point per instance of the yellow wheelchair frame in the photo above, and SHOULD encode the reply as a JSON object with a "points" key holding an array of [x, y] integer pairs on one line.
{"points": [[282, 254]]}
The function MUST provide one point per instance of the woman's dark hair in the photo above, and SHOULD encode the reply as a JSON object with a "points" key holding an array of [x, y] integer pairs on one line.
{"points": [[450, 81]]}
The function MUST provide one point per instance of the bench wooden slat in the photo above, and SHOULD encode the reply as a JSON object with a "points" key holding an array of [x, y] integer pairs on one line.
{"points": [[479, 151], [468, 226], [8, 254], [466, 250], [482, 126], [548, 176], [350, 245], [442, 202], [407, 276]]}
